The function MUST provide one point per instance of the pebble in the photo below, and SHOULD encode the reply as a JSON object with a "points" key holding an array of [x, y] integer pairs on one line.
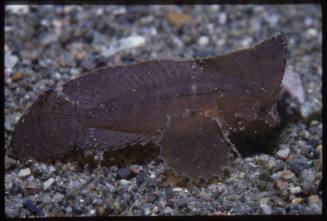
{"points": [[111, 188], [298, 165], [222, 18], [308, 179], [17, 76], [311, 32], [48, 183], [24, 172], [266, 210], [10, 60], [141, 177], [203, 41], [135, 169], [100, 211], [295, 190], [282, 187], [123, 173], [9, 162], [124, 182], [29, 205], [283, 153], [314, 199], [297, 201], [178, 19], [168, 211], [123, 44]]}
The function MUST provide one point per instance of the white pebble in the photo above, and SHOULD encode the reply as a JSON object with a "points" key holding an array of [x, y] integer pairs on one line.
{"points": [[222, 18], [203, 41], [24, 172], [295, 190], [48, 183], [124, 182], [283, 153], [312, 32]]}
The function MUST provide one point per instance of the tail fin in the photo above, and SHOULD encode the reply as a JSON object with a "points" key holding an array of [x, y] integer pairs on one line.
{"points": [[48, 129]]}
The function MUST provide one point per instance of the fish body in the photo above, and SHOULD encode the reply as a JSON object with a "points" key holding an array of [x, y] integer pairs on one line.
{"points": [[189, 107]]}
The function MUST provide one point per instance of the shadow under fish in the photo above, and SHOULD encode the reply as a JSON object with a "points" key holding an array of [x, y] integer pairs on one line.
{"points": [[197, 111]]}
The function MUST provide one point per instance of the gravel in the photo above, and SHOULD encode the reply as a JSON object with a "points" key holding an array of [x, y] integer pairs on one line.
{"points": [[46, 46]]}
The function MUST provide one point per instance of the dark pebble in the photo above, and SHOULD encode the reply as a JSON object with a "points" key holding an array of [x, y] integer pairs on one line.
{"points": [[182, 203], [315, 154], [279, 166], [204, 53], [89, 62], [141, 177], [123, 173], [298, 165], [30, 206], [313, 143]]}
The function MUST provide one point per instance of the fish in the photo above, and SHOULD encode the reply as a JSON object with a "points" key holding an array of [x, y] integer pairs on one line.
{"points": [[190, 108]]}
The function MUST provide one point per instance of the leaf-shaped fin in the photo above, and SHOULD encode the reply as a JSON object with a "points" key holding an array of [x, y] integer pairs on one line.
{"points": [[48, 129], [198, 151]]}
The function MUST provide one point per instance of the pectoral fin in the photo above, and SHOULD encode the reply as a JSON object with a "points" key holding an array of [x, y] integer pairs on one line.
{"points": [[195, 147]]}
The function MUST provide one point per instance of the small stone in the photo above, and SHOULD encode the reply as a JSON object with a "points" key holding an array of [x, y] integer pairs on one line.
{"points": [[205, 52], [312, 32], [271, 163], [155, 210], [152, 176], [286, 175], [100, 211], [168, 211], [24, 172], [314, 209], [10, 60], [283, 153], [264, 201], [30, 206], [146, 211], [266, 209], [204, 196], [308, 178], [57, 198], [116, 206], [135, 169], [124, 182], [282, 187], [17, 76], [123, 173], [48, 39], [295, 190], [314, 199], [130, 42], [315, 204], [298, 165], [222, 18], [111, 188], [137, 204], [141, 177], [203, 41], [89, 62], [48, 183], [177, 189], [297, 201], [9, 162], [178, 19]]}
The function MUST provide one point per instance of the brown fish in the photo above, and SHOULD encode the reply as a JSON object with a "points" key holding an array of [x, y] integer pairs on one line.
{"points": [[189, 107]]}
